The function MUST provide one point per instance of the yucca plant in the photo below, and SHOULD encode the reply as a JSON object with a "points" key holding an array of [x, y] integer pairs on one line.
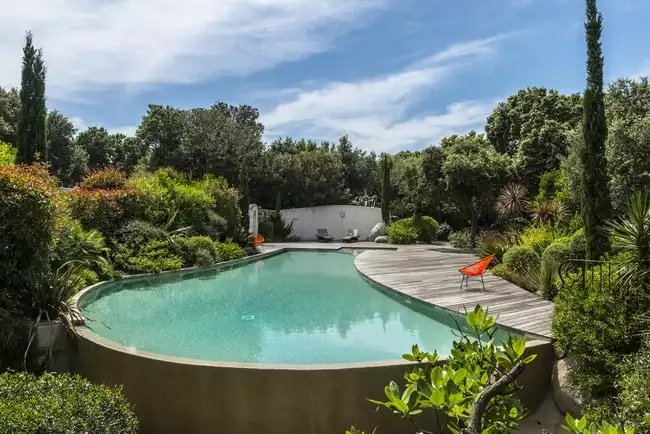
{"points": [[50, 299], [631, 234], [548, 211], [512, 200]]}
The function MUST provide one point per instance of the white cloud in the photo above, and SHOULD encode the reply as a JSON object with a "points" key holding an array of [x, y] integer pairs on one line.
{"points": [[94, 44], [374, 111]]}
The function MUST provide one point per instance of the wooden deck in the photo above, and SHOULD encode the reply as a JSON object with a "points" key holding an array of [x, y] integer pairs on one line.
{"points": [[432, 276]]}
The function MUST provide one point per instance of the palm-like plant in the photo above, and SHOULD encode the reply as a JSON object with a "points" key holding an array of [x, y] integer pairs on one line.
{"points": [[51, 299], [512, 200], [548, 211], [631, 234]]}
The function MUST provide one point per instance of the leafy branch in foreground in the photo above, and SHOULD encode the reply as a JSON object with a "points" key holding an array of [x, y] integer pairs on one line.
{"points": [[474, 388]]}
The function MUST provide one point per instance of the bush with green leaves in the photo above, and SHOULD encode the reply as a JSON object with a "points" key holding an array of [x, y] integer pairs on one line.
{"points": [[557, 252], [402, 232], [62, 404], [537, 237], [412, 229], [460, 239], [598, 324], [152, 257], [28, 213], [500, 270], [109, 178], [7, 154], [474, 390], [273, 227], [230, 251], [493, 243], [197, 251], [519, 259], [442, 232]]}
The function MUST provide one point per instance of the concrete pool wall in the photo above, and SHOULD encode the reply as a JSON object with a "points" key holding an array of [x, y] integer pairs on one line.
{"points": [[177, 395]]}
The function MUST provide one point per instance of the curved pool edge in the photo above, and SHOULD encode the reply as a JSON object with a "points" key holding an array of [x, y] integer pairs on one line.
{"points": [[383, 287], [178, 395]]}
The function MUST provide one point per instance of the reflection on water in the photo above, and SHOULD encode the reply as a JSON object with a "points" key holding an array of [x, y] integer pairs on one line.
{"points": [[295, 308]]}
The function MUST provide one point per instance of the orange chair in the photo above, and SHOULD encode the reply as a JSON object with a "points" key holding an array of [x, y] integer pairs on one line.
{"points": [[475, 269], [259, 239]]}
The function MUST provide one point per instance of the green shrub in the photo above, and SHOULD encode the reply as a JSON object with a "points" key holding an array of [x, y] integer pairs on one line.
{"points": [[412, 229], [578, 245], [7, 154], [557, 252], [104, 179], [550, 184], [442, 232], [634, 387], [62, 404], [402, 232], [426, 227], [28, 212], [138, 232], [519, 259], [273, 227], [152, 257], [103, 210], [197, 251], [230, 251], [598, 324], [226, 201], [537, 237], [500, 270], [460, 239], [493, 243]]}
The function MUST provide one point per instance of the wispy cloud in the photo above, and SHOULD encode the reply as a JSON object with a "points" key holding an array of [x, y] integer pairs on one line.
{"points": [[374, 111], [93, 44]]}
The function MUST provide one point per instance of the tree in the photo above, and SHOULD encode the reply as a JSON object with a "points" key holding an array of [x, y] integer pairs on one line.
{"points": [[386, 165], [627, 99], [99, 145], [475, 172], [31, 134], [163, 130], [128, 152], [505, 126], [596, 206], [9, 112], [60, 140], [628, 159]]}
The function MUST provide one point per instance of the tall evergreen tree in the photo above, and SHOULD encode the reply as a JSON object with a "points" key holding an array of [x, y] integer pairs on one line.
{"points": [[386, 166], [31, 136], [596, 205]]}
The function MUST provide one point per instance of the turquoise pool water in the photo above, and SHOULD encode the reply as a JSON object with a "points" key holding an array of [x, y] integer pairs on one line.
{"points": [[293, 308]]}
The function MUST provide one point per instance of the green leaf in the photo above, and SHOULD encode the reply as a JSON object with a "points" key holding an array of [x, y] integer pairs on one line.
{"points": [[409, 357], [415, 412], [519, 346], [459, 376], [514, 412], [407, 393], [393, 388], [437, 398], [530, 358], [436, 376], [582, 423]]}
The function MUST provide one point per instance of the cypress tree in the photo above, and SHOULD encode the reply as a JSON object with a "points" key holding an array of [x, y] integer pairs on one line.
{"points": [[596, 205], [32, 140], [386, 166]]}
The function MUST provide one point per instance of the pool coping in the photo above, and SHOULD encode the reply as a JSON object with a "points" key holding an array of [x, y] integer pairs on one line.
{"points": [[87, 333]]}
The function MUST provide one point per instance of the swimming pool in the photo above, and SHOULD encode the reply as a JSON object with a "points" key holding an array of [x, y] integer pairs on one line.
{"points": [[292, 308]]}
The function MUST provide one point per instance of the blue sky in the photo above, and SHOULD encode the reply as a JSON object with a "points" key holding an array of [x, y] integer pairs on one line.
{"points": [[392, 74]]}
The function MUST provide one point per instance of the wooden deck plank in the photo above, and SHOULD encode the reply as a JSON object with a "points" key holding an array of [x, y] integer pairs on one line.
{"points": [[433, 277]]}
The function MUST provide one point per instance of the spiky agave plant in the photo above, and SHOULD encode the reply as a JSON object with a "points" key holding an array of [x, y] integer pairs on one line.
{"points": [[512, 200]]}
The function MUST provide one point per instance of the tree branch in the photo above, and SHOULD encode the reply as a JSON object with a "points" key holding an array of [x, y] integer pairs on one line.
{"points": [[482, 401]]}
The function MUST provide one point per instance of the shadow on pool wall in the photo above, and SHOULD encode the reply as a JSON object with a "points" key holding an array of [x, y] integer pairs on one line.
{"points": [[176, 395]]}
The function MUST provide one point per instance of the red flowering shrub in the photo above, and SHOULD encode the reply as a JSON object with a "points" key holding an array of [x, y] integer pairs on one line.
{"points": [[28, 210], [105, 179], [101, 209]]}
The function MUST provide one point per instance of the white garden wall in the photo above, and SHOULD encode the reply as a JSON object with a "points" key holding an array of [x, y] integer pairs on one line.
{"points": [[337, 219]]}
